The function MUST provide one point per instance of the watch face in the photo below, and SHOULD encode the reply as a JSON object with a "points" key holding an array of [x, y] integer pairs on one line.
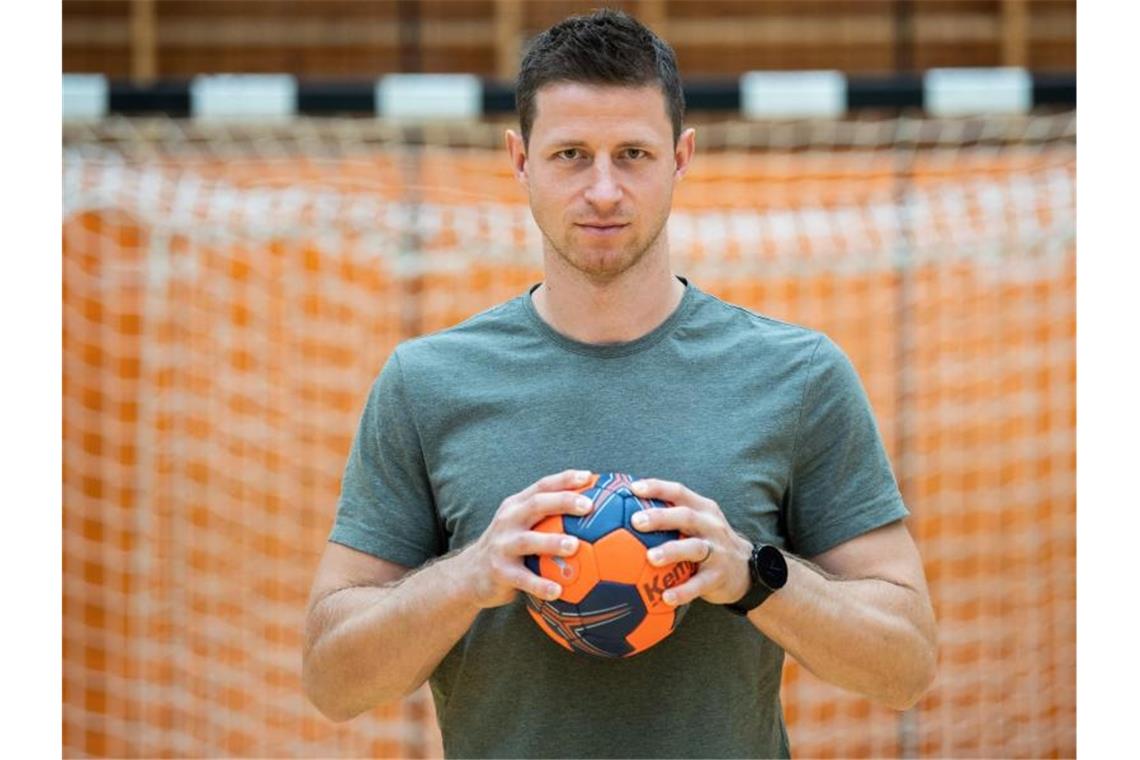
{"points": [[771, 566]]}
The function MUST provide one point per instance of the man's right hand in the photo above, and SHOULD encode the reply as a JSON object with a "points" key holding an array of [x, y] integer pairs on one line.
{"points": [[495, 560]]}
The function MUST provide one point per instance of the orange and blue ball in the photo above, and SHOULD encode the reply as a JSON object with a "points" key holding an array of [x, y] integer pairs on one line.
{"points": [[611, 603]]}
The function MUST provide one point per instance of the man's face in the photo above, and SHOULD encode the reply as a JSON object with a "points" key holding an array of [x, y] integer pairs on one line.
{"points": [[600, 171]]}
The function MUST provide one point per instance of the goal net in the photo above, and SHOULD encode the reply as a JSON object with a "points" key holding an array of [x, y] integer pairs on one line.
{"points": [[231, 291]]}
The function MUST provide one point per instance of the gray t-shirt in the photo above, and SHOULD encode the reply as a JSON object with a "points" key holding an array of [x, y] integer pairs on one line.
{"points": [[766, 418]]}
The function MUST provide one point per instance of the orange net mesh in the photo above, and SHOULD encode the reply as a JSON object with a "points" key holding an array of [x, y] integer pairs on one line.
{"points": [[229, 297]]}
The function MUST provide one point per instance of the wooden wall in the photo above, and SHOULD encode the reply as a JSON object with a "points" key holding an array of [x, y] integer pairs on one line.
{"points": [[147, 39]]}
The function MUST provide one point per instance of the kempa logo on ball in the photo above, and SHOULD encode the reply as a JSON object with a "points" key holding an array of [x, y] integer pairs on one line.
{"points": [[659, 583]]}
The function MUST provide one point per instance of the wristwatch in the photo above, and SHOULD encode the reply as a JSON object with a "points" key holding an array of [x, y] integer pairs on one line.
{"points": [[769, 572]]}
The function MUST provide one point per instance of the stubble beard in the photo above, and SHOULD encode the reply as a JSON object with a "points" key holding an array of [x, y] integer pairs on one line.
{"points": [[625, 262]]}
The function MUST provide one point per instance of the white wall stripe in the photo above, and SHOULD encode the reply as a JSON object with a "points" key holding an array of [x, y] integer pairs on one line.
{"points": [[85, 97], [763, 95], [793, 94], [429, 96], [957, 92], [243, 96]]}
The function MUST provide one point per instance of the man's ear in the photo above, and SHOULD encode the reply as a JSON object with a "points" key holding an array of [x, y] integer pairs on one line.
{"points": [[516, 149], [683, 153]]}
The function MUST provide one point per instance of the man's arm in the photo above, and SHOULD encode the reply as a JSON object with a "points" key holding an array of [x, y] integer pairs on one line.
{"points": [[859, 618], [375, 631]]}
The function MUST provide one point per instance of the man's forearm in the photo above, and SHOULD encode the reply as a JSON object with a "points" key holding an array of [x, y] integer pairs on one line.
{"points": [[370, 645], [871, 636]]}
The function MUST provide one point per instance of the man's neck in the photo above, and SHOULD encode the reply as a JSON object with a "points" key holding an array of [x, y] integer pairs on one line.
{"points": [[615, 312]]}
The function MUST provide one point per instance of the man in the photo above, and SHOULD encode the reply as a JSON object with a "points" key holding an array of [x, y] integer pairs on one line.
{"points": [[758, 431]]}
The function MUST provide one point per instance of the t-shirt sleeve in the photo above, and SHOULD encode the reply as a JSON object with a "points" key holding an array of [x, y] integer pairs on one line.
{"points": [[386, 507], [842, 485]]}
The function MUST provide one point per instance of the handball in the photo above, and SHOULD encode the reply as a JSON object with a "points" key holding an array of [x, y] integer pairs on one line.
{"points": [[611, 603]]}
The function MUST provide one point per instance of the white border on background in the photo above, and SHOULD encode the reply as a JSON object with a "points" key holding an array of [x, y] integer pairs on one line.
{"points": [[1108, 379], [30, 554]]}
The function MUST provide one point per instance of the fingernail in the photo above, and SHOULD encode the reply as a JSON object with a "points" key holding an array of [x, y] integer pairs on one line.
{"points": [[582, 475], [655, 556], [669, 597], [640, 520], [638, 487], [553, 592], [569, 544], [582, 503]]}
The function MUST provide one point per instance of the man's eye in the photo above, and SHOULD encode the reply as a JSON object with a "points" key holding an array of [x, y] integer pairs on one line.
{"points": [[634, 153], [569, 154]]}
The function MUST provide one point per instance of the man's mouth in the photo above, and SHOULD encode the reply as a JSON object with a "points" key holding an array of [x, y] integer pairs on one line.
{"points": [[602, 228]]}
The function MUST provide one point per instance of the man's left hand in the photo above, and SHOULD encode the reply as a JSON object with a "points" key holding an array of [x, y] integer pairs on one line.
{"points": [[707, 539]]}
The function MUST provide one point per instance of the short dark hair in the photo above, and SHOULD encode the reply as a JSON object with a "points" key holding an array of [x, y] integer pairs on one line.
{"points": [[606, 47]]}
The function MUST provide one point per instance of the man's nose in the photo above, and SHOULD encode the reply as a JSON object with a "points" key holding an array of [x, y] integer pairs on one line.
{"points": [[604, 190]]}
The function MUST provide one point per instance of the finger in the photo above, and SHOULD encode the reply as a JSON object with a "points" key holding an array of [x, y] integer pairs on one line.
{"points": [[531, 510], [526, 542], [558, 502], [567, 480], [668, 490], [686, 549], [526, 581], [691, 589], [685, 519]]}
